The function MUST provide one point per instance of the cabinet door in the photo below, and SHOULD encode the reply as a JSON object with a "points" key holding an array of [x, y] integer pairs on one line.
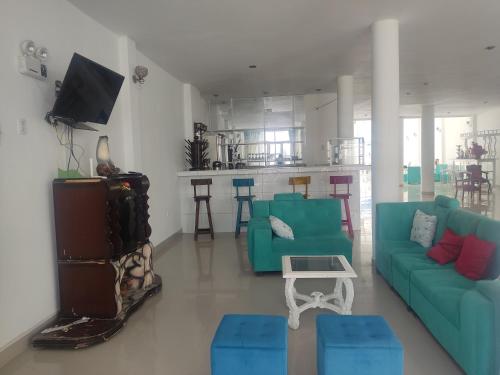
{"points": [[87, 289], [82, 211]]}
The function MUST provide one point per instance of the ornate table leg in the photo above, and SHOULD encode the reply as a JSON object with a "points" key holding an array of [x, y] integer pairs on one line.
{"points": [[344, 302], [293, 316]]}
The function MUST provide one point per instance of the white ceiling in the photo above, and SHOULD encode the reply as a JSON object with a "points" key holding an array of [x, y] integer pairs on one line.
{"points": [[302, 45]]}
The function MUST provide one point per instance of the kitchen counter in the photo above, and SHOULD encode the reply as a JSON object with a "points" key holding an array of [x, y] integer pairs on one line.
{"points": [[273, 170], [268, 181]]}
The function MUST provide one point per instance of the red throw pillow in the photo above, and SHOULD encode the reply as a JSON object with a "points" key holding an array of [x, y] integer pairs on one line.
{"points": [[475, 257], [448, 248]]}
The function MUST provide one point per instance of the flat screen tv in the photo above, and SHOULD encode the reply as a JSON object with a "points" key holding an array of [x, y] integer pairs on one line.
{"points": [[87, 94]]}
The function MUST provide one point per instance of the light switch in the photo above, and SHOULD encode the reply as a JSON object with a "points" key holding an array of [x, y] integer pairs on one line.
{"points": [[22, 128]]}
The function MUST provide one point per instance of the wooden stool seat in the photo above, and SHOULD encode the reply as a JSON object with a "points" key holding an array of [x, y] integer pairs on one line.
{"points": [[343, 180], [301, 180], [244, 197], [341, 196], [240, 183], [202, 198]]}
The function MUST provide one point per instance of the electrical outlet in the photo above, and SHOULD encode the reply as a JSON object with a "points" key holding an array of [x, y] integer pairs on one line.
{"points": [[22, 128]]}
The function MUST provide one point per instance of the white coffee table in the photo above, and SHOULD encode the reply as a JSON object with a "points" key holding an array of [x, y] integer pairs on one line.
{"points": [[318, 267]]}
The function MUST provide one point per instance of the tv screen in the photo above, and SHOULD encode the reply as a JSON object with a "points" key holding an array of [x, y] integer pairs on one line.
{"points": [[88, 92]]}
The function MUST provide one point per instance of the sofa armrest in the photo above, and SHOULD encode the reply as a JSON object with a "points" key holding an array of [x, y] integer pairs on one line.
{"points": [[480, 328], [491, 290], [259, 234], [394, 219]]}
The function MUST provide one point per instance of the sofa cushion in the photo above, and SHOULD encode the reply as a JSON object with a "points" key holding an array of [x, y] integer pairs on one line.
{"points": [[444, 289], [280, 228], [408, 262], [463, 222], [423, 228], [309, 217], [475, 258], [314, 245], [392, 246], [447, 249], [489, 230], [442, 209], [386, 249]]}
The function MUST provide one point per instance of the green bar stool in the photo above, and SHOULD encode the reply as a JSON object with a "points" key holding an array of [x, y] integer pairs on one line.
{"points": [[243, 183]]}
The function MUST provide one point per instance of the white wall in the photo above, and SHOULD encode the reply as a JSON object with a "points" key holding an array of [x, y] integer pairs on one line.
{"points": [[490, 120], [29, 163], [161, 118], [195, 109], [321, 125]]}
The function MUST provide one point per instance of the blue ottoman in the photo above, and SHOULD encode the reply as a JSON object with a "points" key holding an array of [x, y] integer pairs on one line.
{"points": [[352, 345], [250, 345]]}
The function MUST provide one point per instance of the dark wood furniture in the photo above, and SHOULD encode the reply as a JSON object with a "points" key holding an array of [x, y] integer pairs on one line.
{"points": [[200, 182], [343, 180], [472, 181], [102, 231]]}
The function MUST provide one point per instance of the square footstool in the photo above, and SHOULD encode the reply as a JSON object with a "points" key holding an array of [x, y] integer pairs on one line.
{"points": [[352, 345], [250, 345]]}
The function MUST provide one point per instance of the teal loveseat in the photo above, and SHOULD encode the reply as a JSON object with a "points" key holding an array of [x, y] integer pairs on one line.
{"points": [[316, 224], [462, 314]]}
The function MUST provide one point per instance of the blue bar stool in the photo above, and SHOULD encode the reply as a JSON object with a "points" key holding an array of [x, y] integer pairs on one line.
{"points": [[241, 183]]}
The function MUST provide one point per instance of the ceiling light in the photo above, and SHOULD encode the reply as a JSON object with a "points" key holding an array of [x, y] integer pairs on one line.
{"points": [[489, 48], [252, 66]]}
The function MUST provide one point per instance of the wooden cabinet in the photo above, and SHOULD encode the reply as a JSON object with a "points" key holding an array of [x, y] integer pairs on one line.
{"points": [[100, 219], [102, 233]]}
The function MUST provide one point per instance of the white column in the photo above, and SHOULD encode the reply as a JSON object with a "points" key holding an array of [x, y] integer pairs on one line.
{"points": [[345, 106], [385, 112], [132, 158], [401, 144], [188, 111], [427, 149]]}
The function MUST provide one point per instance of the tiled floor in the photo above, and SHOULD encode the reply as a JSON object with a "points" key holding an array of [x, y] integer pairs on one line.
{"points": [[171, 333]]}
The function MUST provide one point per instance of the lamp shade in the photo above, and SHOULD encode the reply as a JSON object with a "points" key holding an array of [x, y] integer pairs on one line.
{"points": [[102, 151]]}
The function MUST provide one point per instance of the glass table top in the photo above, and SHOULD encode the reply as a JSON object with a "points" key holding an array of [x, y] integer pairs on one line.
{"points": [[304, 264]]}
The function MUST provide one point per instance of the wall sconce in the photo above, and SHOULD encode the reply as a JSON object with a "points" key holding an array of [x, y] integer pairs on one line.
{"points": [[32, 60], [140, 72]]}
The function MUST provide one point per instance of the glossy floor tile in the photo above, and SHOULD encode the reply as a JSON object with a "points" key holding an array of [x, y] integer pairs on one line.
{"points": [[171, 333]]}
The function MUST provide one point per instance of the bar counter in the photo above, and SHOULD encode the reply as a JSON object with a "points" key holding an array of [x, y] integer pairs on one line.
{"points": [[268, 181]]}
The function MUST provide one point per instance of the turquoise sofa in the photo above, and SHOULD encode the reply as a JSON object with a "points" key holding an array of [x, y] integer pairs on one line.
{"points": [[462, 314], [316, 224]]}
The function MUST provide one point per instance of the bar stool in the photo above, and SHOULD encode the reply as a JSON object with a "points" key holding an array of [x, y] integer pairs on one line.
{"points": [[302, 180], [240, 183], [343, 180], [206, 198]]}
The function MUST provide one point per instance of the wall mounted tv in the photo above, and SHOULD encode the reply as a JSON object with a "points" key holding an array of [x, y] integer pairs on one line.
{"points": [[87, 94]]}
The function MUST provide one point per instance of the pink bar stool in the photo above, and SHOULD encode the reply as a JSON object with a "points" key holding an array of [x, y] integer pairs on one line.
{"points": [[343, 180]]}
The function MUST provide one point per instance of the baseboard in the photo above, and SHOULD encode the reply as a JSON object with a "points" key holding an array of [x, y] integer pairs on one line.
{"points": [[165, 245], [22, 342]]}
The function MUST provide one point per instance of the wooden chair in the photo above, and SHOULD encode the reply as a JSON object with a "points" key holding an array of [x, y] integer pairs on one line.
{"points": [[464, 183], [478, 177], [302, 180], [242, 183], [343, 180], [199, 198]]}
